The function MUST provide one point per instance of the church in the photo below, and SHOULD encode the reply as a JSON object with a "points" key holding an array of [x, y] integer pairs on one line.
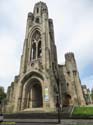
{"points": [[42, 82]]}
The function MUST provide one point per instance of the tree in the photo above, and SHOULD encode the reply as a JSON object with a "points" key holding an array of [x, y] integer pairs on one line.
{"points": [[2, 94], [92, 95]]}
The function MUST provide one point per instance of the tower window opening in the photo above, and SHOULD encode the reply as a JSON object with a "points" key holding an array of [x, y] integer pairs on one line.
{"points": [[33, 51], [68, 73], [36, 51], [37, 20], [39, 50], [67, 84], [37, 10]]}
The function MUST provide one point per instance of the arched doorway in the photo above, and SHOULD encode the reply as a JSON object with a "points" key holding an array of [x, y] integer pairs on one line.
{"points": [[66, 100], [36, 95], [32, 96]]}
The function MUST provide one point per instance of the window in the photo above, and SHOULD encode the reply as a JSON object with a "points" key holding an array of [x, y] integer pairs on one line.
{"points": [[37, 10], [33, 51], [36, 51], [37, 20], [53, 67], [39, 50], [67, 84], [68, 73]]}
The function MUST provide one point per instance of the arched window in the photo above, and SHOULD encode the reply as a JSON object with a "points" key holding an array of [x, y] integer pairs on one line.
{"points": [[39, 49], [67, 84], [37, 20], [36, 51], [33, 50], [37, 10], [36, 36]]}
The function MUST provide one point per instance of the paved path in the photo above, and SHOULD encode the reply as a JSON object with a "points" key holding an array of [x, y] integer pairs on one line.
{"points": [[47, 122]]}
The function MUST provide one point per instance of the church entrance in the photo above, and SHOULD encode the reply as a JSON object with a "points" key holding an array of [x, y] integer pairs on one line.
{"points": [[32, 96], [36, 92], [67, 100]]}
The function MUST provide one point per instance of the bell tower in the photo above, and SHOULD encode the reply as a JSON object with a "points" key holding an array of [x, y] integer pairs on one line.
{"points": [[38, 60], [41, 83], [39, 46]]}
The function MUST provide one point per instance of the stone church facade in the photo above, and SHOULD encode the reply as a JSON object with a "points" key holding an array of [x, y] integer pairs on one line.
{"points": [[41, 79]]}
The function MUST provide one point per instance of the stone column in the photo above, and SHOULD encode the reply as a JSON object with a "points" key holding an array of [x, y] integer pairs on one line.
{"points": [[23, 99]]}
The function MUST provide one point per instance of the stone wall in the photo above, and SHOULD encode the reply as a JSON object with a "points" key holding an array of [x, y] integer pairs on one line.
{"points": [[87, 94], [71, 84]]}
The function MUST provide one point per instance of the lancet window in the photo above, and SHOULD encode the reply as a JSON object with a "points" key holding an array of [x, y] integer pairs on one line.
{"points": [[36, 51]]}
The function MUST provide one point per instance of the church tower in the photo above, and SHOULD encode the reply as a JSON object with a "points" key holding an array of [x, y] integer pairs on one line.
{"points": [[37, 83], [40, 77]]}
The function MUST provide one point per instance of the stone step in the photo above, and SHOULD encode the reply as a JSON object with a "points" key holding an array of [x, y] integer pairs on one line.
{"points": [[65, 113], [67, 110], [35, 115]]}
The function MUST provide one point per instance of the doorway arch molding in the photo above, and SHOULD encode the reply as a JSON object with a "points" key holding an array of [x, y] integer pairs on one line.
{"points": [[33, 88]]}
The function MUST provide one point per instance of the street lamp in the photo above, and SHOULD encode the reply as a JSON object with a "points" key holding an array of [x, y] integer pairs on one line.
{"points": [[58, 94]]}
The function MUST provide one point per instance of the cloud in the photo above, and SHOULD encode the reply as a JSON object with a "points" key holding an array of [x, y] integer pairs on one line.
{"points": [[76, 32], [9, 64]]}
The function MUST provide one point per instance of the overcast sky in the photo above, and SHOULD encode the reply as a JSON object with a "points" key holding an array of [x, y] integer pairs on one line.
{"points": [[73, 25]]}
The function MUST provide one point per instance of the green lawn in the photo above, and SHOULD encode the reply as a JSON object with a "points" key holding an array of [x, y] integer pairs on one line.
{"points": [[83, 111]]}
